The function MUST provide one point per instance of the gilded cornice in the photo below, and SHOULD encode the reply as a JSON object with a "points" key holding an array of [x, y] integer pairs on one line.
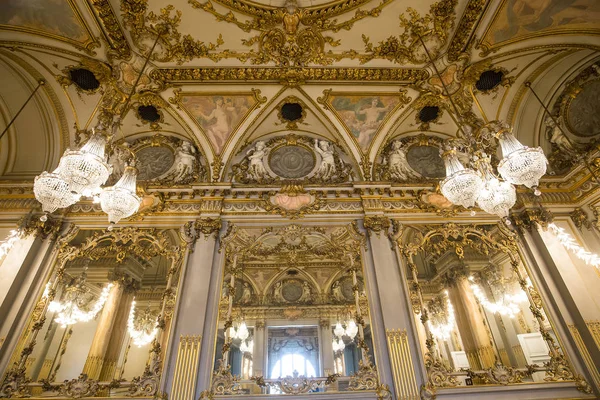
{"points": [[329, 10], [289, 75]]}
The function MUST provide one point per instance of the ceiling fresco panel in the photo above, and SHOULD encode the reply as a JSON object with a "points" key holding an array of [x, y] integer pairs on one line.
{"points": [[219, 115], [363, 115], [59, 19], [517, 20]]}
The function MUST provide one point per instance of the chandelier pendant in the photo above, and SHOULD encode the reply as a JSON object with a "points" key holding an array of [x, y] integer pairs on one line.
{"points": [[53, 191], [121, 201]]}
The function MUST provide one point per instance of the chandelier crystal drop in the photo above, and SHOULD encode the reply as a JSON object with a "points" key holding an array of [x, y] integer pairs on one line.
{"points": [[339, 330], [53, 191], [87, 168], [495, 196], [242, 332], [521, 165], [121, 201], [461, 185], [351, 329]]}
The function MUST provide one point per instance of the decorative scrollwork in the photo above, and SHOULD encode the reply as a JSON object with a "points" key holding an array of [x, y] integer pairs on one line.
{"points": [[365, 379], [80, 387]]}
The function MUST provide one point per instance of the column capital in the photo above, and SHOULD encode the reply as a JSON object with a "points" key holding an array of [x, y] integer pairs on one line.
{"points": [[377, 224], [454, 274], [130, 284], [50, 228], [527, 219], [580, 218], [192, 230]]}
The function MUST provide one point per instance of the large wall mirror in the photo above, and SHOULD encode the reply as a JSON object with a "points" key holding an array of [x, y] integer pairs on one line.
{"points": [[480, 318], [293, 315], [101, 324]]}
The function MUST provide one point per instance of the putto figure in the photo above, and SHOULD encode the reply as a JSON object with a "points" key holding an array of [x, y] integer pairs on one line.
{"points": [[327, 168], [398, 166], [256, 166]]}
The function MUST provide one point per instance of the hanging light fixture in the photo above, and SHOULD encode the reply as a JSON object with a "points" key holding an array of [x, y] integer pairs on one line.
{"points": [[339, 330], [495, 196], [147, 329], [121, 201], [338, 345], [461, 185], [53, 191], [71, 311], [521, 165], [82, 172], [87, 168]]}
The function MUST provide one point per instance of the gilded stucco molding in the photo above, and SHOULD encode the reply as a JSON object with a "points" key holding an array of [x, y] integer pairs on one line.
{"points": [[462, 39], [291, 75], [110, 27], [288, 36]]}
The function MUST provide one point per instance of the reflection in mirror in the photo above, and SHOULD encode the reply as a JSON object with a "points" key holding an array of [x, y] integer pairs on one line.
{"points": [[110, 297], [293, 314], [479, 317]]}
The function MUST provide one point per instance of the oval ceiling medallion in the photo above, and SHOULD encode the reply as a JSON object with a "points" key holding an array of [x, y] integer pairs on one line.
{"points": [[292, 162], [426, 161], [583, 114], [154, 162]]}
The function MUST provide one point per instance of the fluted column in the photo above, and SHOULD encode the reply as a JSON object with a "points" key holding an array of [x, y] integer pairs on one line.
{"points": [[258, 355], [469, 320], [110, 331], [327, 346], [390, 305], [119, 331], [195, 315], [24, 281]]}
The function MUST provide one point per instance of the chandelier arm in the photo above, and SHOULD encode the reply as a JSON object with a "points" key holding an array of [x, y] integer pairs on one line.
{"points": [[437, 72], [137, 80], [585, 161], [41, 82]]}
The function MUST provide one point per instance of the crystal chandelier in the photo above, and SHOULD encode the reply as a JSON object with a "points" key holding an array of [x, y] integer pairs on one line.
{"points": [[443, 331], [81, 173], [508, 305], [247, 347], [146, 327], [53, 191], [338, 345], [521, 165], [495, 196], [71, 310], [87, 168], [350, 329], [121, 201], [461, 185], [241, 332]]}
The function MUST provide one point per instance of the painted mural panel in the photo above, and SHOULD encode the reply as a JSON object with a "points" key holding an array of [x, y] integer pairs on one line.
{"points": [[219, 115], [363, 115], [55, 17], [521, 19]]}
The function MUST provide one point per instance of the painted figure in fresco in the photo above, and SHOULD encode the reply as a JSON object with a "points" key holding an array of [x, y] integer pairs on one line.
{"points": [[370, 116], [336, 291], [184, 161], [218, 120], [256, 167], [536, 15], [54, 16], [327, 168], [398, 166]]}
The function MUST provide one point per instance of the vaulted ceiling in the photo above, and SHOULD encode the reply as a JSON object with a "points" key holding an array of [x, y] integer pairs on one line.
{"points": [[357, 68]]}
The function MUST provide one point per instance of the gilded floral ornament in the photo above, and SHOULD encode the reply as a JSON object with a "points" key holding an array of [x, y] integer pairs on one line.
{"points": [[433, 27], [173, 46], [499, 374], [288, 36], [80, 387], [365, 379], [223, 382]]}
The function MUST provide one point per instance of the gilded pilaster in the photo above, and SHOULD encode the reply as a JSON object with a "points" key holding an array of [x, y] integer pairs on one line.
{"points": [[403, 368], [185, 376]]}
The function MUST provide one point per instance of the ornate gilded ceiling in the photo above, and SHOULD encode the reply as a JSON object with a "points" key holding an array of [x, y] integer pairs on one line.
{"points": [[324, 93]]}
